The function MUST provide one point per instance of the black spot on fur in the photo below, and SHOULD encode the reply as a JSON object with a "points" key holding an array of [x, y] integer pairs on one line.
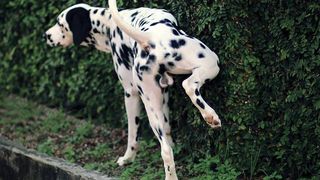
{"points": [[182, 42], [200, 103], [140, 90], [171, 64], [175, 32], [197, 92], [144, 29], [200, 55], [142, 23], [95, 11], [134, 14], [103, 12], [153, 24], [169, 25], [178, 58], [137, 120], [166, 55], [137, 67], [108, 32], [174, 44], [174, 54], [202, 45], [165, 21], [162, 69], [144, 68], [95, 31], [151, 58], [113, 48], [165, 118], [160, 132], [120, 33], [98, 23], [152, 45], [126, 54], [114, 33], [132, 148], [144, 54], [86, 41], [157, 79], [127, 94]]}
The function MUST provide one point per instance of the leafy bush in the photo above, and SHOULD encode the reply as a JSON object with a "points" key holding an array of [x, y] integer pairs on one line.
{"points": [[267, 93]]}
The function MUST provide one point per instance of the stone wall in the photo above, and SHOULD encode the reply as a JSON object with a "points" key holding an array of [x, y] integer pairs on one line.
{"points": [[19, 163]]}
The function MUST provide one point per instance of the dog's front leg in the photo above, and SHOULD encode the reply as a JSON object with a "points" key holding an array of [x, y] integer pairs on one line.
{"points": [[133, 106]]}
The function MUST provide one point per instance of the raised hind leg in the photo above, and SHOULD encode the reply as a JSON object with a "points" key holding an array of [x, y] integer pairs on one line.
{"points": [[192, 87]]}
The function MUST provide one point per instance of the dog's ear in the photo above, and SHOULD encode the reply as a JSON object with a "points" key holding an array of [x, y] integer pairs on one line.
{"points": [[79, 24]]}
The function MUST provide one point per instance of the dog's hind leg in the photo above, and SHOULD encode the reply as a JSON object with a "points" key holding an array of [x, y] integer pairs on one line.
{"points": [[133, 107], [152, 96], [159, 126], [165, 109], [192, 87]]}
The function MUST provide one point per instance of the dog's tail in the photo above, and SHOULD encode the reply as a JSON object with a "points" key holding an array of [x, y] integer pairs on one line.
{"points": [[141, 37]]}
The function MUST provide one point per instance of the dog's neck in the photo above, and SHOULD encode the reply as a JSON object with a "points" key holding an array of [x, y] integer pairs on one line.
{"points": [[99, 36]]}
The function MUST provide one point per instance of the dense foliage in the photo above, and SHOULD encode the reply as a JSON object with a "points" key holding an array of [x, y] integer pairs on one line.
{"points": [[267, 93]]}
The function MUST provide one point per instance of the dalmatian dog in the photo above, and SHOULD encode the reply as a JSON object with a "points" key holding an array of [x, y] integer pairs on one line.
{"points": [[147, 49]]}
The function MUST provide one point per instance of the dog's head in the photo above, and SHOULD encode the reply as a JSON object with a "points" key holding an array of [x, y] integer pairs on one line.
{"points": [[73, 26]]}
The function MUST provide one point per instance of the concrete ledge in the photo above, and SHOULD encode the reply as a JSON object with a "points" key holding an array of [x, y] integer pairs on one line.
{"points": [[17, 162]]}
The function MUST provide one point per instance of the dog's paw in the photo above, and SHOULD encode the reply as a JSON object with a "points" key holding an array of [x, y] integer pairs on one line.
{"points": [[213, 121], [122, 161], [125, 160]]}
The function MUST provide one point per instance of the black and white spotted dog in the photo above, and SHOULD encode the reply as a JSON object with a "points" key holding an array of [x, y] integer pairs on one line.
{"points": [[147, 48]]}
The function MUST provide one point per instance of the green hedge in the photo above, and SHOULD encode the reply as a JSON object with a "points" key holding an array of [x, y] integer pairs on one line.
{"points": [[267, 93]]}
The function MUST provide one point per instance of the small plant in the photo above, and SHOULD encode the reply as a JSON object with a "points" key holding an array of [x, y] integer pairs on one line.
{"points": [[273, 176], [85, 130], [91, 166], [212, 168], [55, 122], [99, 151], [46, 147], [69, 153]]}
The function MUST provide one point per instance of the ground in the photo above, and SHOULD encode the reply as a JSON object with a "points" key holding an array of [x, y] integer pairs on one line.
{"points": [[95, 147]]}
